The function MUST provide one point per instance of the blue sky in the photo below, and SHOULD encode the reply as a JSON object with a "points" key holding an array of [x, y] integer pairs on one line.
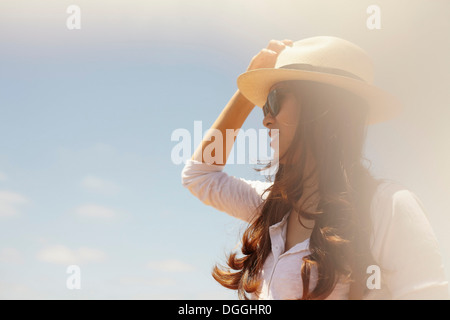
{"points": [[86, 119]]}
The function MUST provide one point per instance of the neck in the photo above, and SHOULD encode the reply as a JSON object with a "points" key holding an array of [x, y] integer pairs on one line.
{"points": [[310, 197]]}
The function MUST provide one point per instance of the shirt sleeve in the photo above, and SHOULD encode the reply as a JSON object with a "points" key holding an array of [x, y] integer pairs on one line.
{"points": [[406, 248], [237, 197]]}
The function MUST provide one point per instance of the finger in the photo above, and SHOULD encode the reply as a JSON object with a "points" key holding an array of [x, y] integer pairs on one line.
{"points": [[276, 45], [266, 56], [268, 52], [288, 42]]}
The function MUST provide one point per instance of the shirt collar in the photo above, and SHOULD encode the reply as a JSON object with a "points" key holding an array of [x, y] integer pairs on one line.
{"points": [[282, 223], [277, 234]]}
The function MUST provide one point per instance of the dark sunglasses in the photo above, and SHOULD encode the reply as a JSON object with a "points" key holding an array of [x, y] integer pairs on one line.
{"points": [[274, 100]]}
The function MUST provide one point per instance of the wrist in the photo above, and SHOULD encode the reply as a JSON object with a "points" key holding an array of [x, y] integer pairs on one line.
{"points": [[246, 103]]}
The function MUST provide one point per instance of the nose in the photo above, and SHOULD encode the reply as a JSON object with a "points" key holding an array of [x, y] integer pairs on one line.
{"points": [[268, 120]]}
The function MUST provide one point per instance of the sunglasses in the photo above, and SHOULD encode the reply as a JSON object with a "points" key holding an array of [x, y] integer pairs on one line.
{"points": [[274, 100]]}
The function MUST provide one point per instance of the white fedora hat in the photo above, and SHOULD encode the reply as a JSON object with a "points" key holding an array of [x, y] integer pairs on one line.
{"points": [[324, 59]]}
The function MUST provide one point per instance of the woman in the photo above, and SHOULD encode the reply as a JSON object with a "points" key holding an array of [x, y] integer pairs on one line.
{"points": [[325, 228]]}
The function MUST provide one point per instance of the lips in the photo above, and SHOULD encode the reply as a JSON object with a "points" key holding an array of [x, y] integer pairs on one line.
{"points": [[270, 132], [275, 144], [274, 138]]}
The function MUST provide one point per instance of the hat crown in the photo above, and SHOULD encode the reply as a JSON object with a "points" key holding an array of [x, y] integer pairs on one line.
{"points": [[329, 52]]}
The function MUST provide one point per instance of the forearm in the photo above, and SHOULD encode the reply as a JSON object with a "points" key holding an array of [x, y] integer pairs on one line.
{"points": [[232, 118]]}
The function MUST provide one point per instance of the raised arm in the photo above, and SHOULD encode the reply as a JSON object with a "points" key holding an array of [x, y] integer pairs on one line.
{"points": [[232, 117], [205, 179], [237, 110]]}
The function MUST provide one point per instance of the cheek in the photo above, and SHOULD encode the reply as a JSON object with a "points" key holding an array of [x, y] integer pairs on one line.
{"points": [[286, 137], [289, 113], [287, 121]]}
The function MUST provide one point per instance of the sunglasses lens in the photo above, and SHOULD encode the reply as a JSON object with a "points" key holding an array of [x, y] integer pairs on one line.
{"points": [[266, 109], [273, 102], [272, 105]]}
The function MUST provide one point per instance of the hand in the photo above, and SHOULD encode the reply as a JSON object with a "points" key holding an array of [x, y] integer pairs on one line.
{"points": [[267, 57]]}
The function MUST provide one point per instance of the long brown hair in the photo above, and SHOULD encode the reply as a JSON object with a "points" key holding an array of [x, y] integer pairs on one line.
{"points": [[332, 126]]}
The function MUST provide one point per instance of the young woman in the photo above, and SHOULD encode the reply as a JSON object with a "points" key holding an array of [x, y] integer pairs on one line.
{"points": [[325, 228]]}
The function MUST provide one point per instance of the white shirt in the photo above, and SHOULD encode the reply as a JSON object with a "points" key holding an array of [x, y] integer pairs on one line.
{"points": [[403, 243]]}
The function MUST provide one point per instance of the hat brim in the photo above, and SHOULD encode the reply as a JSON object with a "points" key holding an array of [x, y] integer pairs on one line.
{"points": [[256, 84]]}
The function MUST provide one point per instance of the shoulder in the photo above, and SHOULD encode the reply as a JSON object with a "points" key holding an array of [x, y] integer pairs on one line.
{"points": [[400, 221], [391, 198], [396, 211], [404, 245]]}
